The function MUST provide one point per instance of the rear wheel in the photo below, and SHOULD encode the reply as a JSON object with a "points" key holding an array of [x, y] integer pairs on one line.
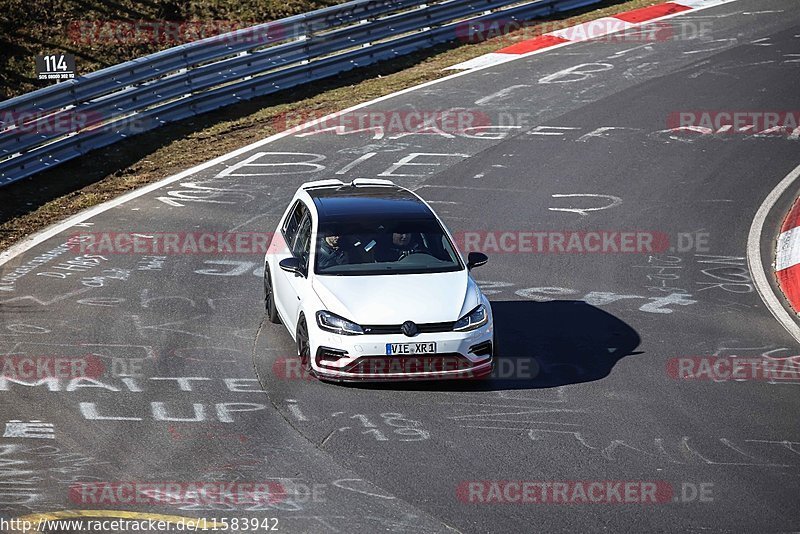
{"points": [[303, 345], [269, 298]]}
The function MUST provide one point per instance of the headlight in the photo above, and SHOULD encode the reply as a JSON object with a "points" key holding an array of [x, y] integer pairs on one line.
{"points": [[474, 319], [338, 325]]}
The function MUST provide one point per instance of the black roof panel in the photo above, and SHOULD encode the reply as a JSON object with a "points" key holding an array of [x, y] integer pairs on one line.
{"points": [[348, 201]]}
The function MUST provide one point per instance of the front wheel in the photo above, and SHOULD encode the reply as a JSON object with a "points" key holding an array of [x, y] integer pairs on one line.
{"points": [[269, 298], [303, 346]]}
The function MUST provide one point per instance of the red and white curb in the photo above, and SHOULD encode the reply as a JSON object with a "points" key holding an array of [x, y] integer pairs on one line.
{"points": [[787, 260], [587, 31]]}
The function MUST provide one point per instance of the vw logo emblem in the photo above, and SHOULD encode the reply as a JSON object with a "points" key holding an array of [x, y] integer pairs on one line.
{"points": [[410, 329]]}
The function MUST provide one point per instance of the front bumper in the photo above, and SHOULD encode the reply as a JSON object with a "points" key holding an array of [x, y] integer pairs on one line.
{"points": [[459, 355]]}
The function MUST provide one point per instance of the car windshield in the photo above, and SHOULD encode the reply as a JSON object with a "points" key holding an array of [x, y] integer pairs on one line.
{"points": [[374, 245]]}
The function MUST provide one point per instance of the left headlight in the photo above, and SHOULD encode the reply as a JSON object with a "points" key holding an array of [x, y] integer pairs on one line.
{"points": [[474, 319], [338, 325]]}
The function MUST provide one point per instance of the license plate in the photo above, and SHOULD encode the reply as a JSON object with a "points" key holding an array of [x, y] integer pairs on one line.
{"points": [[393, 349]]}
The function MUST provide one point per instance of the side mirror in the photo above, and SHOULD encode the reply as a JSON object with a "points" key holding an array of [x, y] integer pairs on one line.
{"points": [[475, 259], [291, 265]]}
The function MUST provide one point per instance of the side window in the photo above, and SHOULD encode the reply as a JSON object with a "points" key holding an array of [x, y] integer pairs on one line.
{"points": [[302, 244], [293, 221]]}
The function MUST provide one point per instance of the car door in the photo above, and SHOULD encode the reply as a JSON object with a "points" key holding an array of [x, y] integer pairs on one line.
{"points": [[291, 286]]}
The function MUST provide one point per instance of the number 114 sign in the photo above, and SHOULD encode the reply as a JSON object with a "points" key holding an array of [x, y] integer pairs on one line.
{"points": [[55, 67]]}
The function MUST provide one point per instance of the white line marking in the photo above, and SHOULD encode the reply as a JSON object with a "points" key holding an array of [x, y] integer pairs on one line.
{"points": [[702, 4], [629, 50], [295, 409], [349, 166], [481, 62], [499, 94], [615, 201], [248, 221], [755, 263]]}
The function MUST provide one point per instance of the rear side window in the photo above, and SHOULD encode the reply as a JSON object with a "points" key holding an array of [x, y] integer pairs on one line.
{"points": [[293, 221]]}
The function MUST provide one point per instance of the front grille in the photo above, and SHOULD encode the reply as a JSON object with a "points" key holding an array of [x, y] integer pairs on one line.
{"points": [[424, 328]]}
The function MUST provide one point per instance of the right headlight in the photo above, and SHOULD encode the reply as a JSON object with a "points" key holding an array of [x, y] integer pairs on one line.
{"points": [[338, 325], [474, 319]]}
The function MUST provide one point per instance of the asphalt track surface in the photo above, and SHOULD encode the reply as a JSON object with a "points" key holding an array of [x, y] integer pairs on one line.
{"points": [[601, 405]]}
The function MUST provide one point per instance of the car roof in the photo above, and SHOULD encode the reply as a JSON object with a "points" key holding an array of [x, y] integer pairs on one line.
{"points": [[390, 201]]}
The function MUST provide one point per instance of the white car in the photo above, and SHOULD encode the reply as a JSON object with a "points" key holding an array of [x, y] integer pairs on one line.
{"points": [[368, 282]]}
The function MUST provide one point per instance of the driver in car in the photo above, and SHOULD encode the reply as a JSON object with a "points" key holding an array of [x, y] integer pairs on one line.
{"points": [[331, 253], [401, 246]]}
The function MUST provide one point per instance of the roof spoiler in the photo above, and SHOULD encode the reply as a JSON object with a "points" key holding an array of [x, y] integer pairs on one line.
{"points": [[322, 183], [333, 182], [370, 181]]}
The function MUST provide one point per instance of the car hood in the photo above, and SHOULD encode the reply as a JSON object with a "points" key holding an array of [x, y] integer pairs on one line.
{"points": [[394, 299]]}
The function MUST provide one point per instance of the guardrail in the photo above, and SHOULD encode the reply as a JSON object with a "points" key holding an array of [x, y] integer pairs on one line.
{"points": [[44, 128]]}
